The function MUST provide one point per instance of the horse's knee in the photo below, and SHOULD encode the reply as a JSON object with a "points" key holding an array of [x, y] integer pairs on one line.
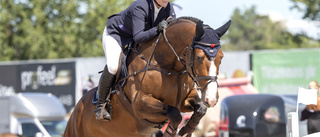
{"points": [[201, 111], [174, 115]]}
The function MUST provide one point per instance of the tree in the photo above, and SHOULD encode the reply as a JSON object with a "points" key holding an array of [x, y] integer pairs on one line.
{"points": [[93, 23], [310, 8], [250, 31], [38, 29]]}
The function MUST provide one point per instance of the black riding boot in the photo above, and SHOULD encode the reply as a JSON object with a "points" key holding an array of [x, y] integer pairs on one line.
{"points": [[105, 84]]}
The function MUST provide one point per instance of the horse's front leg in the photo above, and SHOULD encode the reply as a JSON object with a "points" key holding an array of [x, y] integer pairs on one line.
{"points": [[175, 118], [152, 109], [199, 110]]}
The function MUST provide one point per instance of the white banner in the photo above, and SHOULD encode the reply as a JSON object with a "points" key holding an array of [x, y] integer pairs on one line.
{"points": [[307, 96]]}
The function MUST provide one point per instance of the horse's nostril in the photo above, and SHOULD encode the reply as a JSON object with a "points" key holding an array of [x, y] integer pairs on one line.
{"points": [[211, 102]]}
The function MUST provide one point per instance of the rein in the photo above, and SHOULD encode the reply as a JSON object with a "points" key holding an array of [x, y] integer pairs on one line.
{"points": [[153, 67], [195, 78]]}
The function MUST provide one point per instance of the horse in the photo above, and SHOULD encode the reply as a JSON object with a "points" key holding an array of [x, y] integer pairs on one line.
{"points": [[172, 73]]}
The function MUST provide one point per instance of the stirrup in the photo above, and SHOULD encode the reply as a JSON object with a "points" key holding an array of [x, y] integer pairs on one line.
{"points": [[102, 113]]}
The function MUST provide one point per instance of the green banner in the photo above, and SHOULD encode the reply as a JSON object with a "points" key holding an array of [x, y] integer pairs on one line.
{"points": [[284, 71]]}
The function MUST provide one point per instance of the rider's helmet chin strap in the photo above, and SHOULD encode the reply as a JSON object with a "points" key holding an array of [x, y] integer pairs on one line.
{"points": [[155, 1]]}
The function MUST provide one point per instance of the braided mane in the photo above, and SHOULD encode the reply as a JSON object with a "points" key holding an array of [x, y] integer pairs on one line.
{"points": [[193, 19]]}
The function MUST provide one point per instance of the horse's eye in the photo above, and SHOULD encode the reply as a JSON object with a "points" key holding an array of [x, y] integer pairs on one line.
{"points": [[199, 59]]}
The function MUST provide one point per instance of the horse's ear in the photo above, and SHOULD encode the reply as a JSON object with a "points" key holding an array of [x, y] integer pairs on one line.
{"points": [[199, 30], [223, 29]]}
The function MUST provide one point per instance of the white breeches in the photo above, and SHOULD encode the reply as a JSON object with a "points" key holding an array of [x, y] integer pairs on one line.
{"points": [[112, 51]]}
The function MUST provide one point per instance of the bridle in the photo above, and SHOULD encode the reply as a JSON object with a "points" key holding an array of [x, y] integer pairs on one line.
{"points": [[193, 75]]}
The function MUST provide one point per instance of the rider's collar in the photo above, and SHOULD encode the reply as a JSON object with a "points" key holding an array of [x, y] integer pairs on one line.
{"points": [[157, 4]]}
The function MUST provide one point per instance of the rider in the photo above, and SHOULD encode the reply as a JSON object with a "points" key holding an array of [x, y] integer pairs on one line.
{"points": [[140, 22], [313, 122]]}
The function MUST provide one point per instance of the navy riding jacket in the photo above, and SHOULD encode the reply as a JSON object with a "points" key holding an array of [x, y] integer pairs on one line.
{"points": [[137, 22]]}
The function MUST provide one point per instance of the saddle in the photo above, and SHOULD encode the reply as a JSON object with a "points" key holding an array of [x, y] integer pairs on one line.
{"points": [[121, 73]]}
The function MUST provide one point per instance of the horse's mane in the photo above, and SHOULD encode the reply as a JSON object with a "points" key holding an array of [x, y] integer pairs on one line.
{"points": [[193, 19]]}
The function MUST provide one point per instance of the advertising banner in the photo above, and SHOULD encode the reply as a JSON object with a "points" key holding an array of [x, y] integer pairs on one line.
{"points": [[56, 78], [284, 71]]}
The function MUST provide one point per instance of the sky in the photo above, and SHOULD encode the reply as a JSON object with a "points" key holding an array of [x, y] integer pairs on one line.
{"points": [[215, 13]]}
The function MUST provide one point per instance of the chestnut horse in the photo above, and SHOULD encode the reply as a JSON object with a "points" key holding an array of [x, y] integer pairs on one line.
{"points": [[175, 72]]}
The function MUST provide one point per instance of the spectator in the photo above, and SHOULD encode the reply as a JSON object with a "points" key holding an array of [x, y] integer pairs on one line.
{"points": [[312, 112]]}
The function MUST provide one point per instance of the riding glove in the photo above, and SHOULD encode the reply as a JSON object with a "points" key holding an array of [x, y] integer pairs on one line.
{"points": [[161, 26]]}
